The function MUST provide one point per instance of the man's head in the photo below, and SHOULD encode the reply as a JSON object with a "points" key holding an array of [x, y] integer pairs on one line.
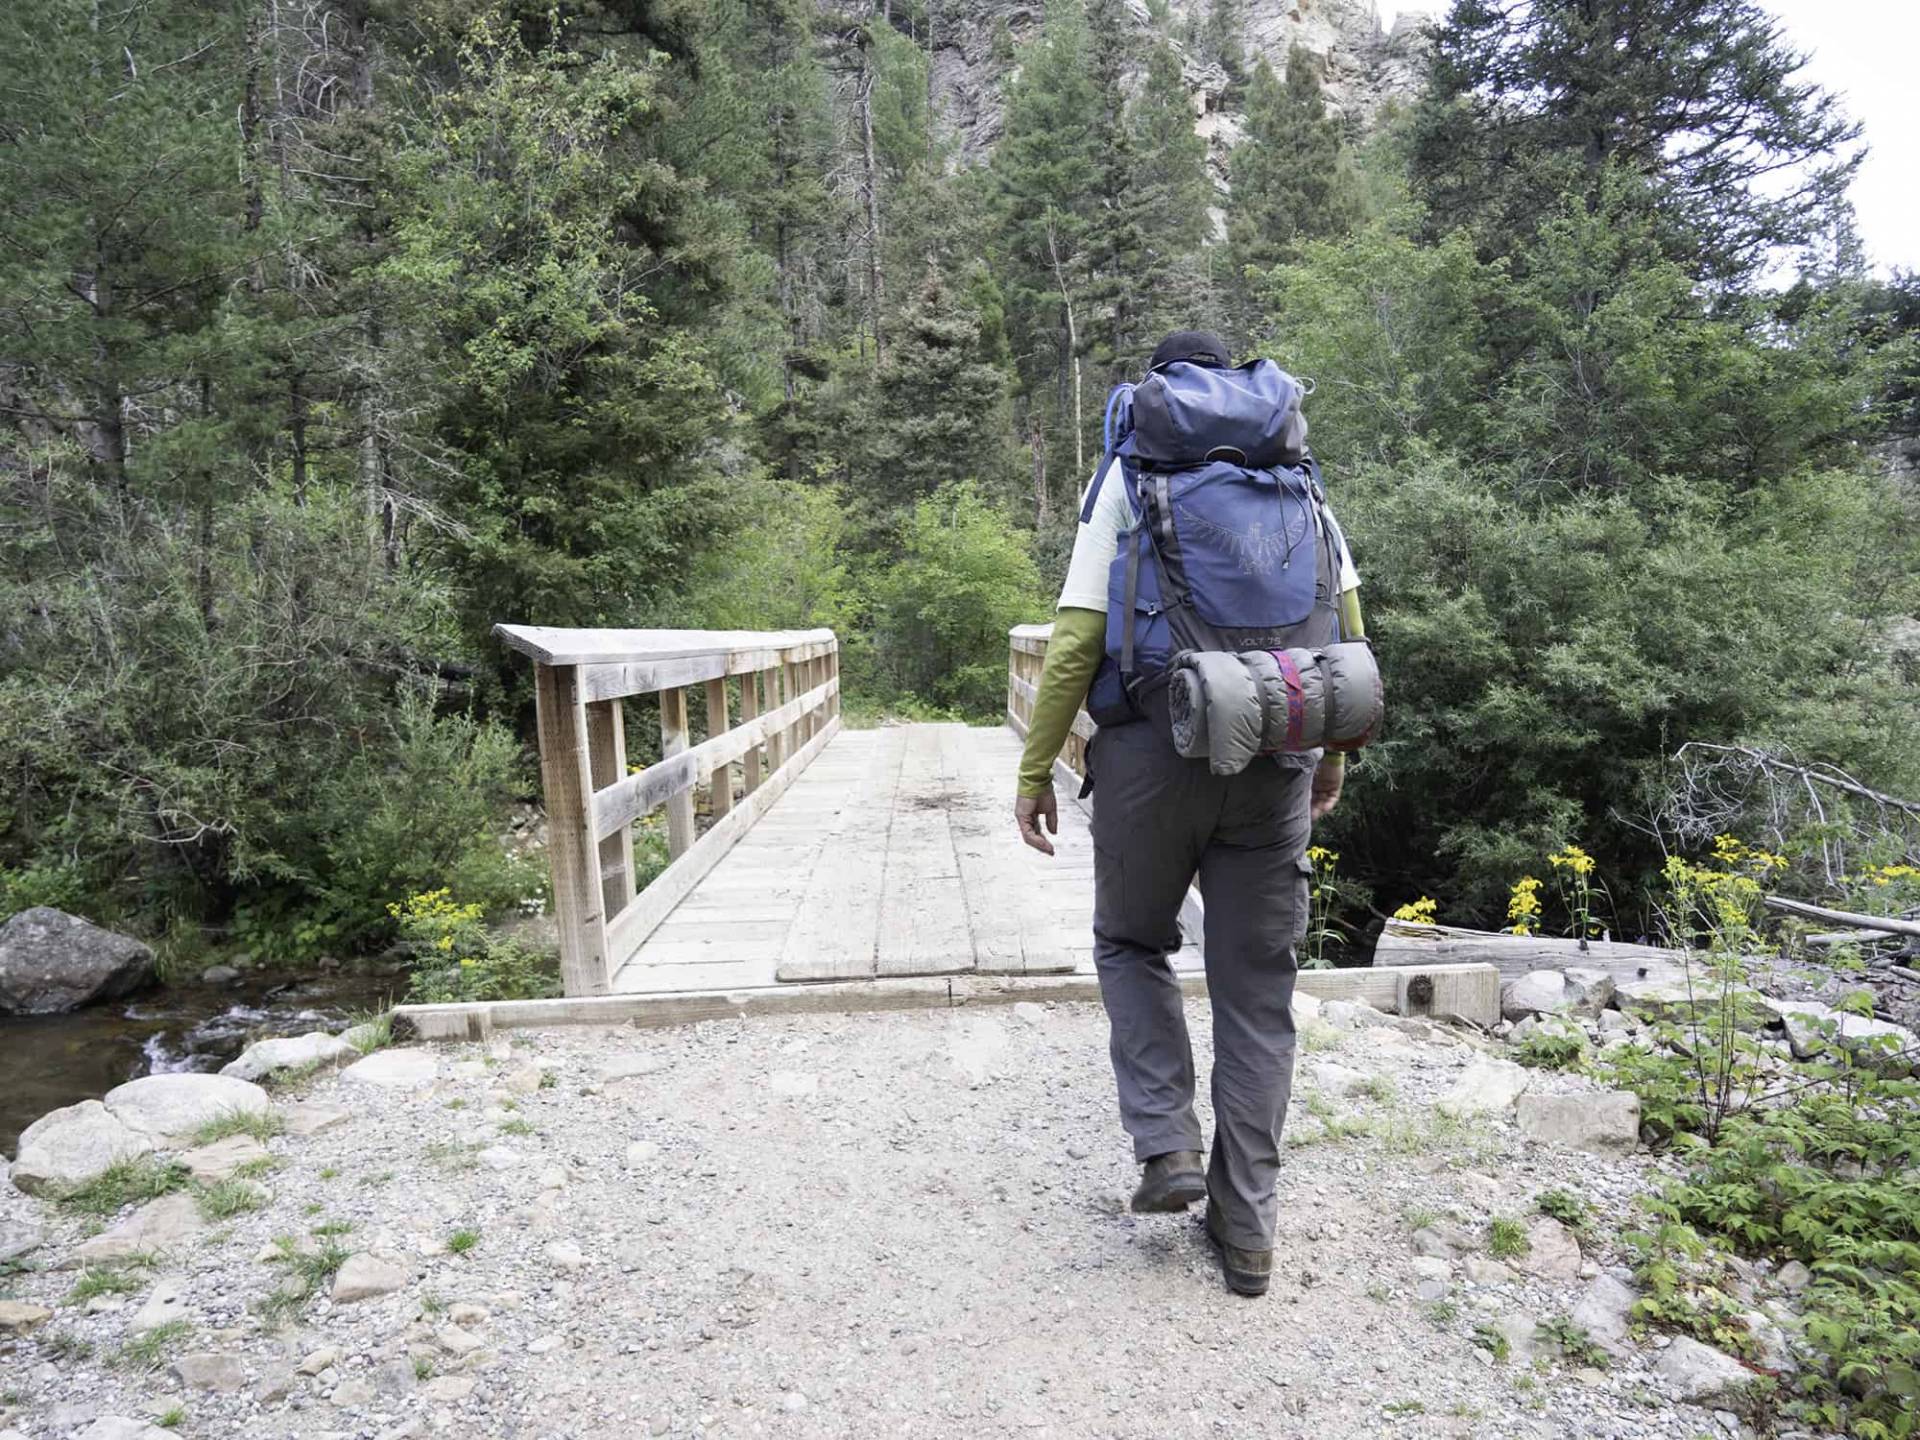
{"points": [[1201, 347]]}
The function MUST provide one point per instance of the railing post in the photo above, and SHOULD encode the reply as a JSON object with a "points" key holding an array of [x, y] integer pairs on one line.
{"points": [[606, 763], [673, 739], [750, 710], [774, 676], [579, 907], [833, 674], [720, 787]]}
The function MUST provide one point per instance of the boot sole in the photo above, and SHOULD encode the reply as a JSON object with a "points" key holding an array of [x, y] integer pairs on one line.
{"points": [[1170, 1196]]}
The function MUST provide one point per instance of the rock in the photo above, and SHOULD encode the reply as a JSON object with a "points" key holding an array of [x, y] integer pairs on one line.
{"points": [[1346, 1015], [1486, 1087], [630, 1067], [159, 1224], [210, 1370], [1612, 1022], [118, 1427], [220, 975], [272, 1389], [1668, 998], [545, 1345], [565, 1255], [1590, 990], [164, 1305], [1482, 1271], [366, 1038], [18, 1316], [501, 1157], [1305, 1008], [1522, 1335], [1429, 1288], [1812, 1027], [1553, 1253], [219, 1160], [394, 1070], [523, 1080], [66, 1148], [1440, 1242], [1604, 1311], [318, 1360], [365, 1276], [794, 1083], [1340, 1080], [642, 1153], [554, 1177], [173, 1107], [1431, 1267], [18, 1238], [447, 1389], [392, 1378], [1538, 992], [467, 1315], [312, 1117], [352, 1394], [1774, 1353], [1605, 1122], [455, 1341], [1028, 1013], [52, 962], [297, 1052], [1701, 1375], [1794, 1276]]}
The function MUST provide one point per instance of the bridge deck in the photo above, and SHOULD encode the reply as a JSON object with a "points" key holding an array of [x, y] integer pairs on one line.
{"points": [[893, 854]]}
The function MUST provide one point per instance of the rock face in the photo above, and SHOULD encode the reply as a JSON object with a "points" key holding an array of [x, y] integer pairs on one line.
{"points": [[172, 1107], [1700, 1374], [66, 1148], [976, 45], [52, 962], [1603, 1122], [263, 1057]]}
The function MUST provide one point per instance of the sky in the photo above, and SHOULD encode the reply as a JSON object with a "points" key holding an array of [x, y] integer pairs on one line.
{"points": [[1863, 50]]}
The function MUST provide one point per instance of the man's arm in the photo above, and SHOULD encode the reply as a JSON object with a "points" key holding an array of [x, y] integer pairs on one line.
{"points": [[1073, 654], [1332, 772]]}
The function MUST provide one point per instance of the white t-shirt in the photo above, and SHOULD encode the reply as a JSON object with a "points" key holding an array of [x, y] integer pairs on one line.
{"points": [[1098, 541]]}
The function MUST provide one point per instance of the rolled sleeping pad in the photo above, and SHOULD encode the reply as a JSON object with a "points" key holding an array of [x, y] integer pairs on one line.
{"points": [[1355, 698], [1236, 719], [1187, 709]]}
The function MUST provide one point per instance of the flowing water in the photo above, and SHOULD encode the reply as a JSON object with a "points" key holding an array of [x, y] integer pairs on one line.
{"points": [[47, 1061]]}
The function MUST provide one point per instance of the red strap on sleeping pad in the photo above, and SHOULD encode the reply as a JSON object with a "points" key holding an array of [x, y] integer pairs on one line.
{"points": [[1296, 697]]}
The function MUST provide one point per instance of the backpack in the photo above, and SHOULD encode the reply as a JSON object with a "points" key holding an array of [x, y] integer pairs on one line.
{"points": [[1233, 546]]}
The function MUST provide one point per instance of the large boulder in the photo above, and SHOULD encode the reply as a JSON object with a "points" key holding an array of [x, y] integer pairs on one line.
{"points": [[1701, 1375], [294, 1052], [1609, 1121], [1538, 992], [1812, 1028], [173, 1107], [66, 1148], [161, 1224], [395, 1070], [1671, 998], [1605, 1312], [52, 962], [1486, 1087]]}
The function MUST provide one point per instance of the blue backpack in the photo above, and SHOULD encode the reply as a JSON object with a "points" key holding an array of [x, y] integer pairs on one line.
{"points": [[1233, 546]]}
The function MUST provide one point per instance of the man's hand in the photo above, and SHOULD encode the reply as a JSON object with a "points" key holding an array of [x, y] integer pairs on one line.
{"points": [[1327, 780], [1029, 811]]}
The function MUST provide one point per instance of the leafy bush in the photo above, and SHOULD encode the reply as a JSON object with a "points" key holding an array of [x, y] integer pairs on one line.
{"points": [[457, 958], [1555, 1049]]}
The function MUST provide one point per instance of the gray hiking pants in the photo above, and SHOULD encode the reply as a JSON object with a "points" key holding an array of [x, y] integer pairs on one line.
{"points": [[1158, 820]]}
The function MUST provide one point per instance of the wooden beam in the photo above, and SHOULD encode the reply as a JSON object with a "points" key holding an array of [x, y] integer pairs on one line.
{"points": [[555, 645], [566, 779], [673, 742], [607, 763], [688, 1007], [687, 869], [1402, 944], [1885, 924], [720, 791], [755, 754]]}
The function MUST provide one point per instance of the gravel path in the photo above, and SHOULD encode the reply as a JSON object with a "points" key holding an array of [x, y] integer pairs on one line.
{"points": [[899, 1224]]}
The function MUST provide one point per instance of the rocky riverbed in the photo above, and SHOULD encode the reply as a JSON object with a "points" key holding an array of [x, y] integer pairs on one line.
{"points": [[847, 1225]]}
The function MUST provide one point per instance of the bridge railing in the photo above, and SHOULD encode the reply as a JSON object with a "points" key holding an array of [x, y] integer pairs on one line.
{"points": [[1026, 658], [788, 684]]}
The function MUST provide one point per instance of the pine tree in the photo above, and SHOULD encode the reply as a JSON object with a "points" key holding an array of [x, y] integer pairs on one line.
{"points": [[1698, 97], [1174, 195]]}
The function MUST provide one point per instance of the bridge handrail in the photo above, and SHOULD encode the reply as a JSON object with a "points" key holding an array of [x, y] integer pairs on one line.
{"points": [[1026, 658], [789, 697]]}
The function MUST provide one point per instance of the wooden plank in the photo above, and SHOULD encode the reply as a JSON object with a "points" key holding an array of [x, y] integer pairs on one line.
{"points": [[1403, 944], [567, 784], [923, 904], [607, 763], [456, 1021], [673, 742], [1083, 725], [835, 934], [755, 755], [1887, 925], [676, 882], [554, 645], [720, 792], [612, 681], [1027, 913]]}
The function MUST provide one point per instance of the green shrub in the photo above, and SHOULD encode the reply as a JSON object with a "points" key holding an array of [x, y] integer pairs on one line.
{"points": [[456, 957], [1552, 1050]]}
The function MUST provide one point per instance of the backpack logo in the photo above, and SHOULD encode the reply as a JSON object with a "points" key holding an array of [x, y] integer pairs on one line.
{"points": [[1256, 548]]}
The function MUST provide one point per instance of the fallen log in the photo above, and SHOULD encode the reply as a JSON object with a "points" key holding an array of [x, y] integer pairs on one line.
{"points": [[1886, 924], [1404, 943]]}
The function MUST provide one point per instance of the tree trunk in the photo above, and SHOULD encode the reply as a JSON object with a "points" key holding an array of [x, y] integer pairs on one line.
{"points": [[870, 198]]}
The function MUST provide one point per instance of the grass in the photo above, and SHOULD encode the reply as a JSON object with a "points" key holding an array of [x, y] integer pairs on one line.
{"points": [[1419, 1217], [329, 1172], [145, 1352], [254, 1169], [172, 1418], [1317, 1035], [1493, 1342], [124, 1183], [1570, 1209], [1338, 1126], [1378, 1088], [332, 1227], [307, 1271], [224, 1199], [262, 1125], [371, 1030], [66, 1347], [103, 1280], [1507, 1239], [463, 1240], [548, 1080], [1573, 1342], [451, 1155], [516, 1126], [290, 1077], [1403, 1407], [1443, 1312], [422, 1368], [457, 1103]]}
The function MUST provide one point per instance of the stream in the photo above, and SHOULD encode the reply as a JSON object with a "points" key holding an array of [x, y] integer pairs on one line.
{"points": [[47, 1061]]}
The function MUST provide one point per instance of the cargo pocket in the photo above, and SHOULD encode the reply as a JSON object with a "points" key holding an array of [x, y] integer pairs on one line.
{"points": [[1302, 900]]}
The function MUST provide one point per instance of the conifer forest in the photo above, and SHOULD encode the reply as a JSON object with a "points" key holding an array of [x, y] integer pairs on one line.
{"points": [[333, 332]]}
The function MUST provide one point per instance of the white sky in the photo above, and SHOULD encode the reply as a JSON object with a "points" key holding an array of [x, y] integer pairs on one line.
{"points": [[1863, 50]]}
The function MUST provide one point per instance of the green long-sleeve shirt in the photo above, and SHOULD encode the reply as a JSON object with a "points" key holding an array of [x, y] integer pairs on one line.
{"points": [[1073, 654]]}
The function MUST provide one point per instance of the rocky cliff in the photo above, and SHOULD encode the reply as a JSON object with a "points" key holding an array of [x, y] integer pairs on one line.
{"points": [[1365, 66]]}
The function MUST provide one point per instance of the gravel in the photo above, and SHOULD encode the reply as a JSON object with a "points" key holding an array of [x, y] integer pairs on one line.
{"points": [[904, 1223]]}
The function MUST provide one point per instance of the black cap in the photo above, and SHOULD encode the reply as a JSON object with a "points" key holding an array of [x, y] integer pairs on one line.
{"points": [[1202, 347]]}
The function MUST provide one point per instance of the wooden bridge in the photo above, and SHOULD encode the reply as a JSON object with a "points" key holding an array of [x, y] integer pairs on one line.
{"points": [[800, 852]]}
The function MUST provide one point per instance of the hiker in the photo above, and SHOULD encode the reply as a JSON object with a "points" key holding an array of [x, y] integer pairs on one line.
{"points": [[1240, 559]]}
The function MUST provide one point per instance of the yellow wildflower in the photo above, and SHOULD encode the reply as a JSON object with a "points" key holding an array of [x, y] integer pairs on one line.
{"points": [[1419, 912]]}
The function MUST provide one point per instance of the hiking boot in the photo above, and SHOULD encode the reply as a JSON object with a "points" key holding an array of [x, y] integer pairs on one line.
{"points": [[1169, 1183], [1248, 1271]]}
